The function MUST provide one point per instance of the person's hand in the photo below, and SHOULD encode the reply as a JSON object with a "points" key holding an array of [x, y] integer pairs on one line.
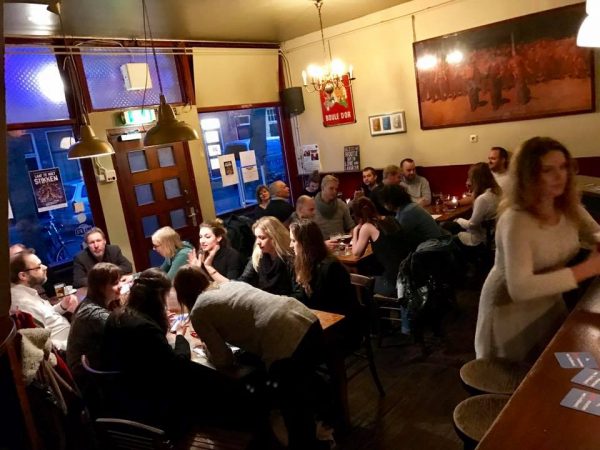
{"points": [[181, 328], [194, 259], [210, 256], [358, 194], [69, 303], [331, 245]]}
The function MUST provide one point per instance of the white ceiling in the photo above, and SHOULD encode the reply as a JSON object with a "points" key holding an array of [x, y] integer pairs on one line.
{"points": [[210, 20]]}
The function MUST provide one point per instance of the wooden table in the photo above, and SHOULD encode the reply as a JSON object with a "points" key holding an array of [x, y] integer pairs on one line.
{"points": [[351, 261], [449, 214], [533, 418]]}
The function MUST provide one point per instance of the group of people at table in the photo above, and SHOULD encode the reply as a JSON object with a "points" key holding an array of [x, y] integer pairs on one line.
{"points": [[264, 306]]}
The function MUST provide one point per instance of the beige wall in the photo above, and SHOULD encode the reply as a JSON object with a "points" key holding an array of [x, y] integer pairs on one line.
{"points": [[379, 46], [109, 192]]}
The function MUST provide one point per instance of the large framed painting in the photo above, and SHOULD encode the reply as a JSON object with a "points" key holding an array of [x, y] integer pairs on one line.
{"points": [[523, 68]]}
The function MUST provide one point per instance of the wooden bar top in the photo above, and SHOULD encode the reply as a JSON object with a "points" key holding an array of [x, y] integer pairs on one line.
{"points": [[533, 418], [449, 214]]}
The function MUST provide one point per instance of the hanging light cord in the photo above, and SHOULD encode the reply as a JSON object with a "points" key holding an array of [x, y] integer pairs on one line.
{"points": [[319, 4], [147, 20]]}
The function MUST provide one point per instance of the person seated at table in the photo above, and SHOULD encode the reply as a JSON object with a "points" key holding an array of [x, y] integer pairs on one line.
{"points": [[279, 205], [221, 261], [280, 330], [391, 176], [27, 275], [387, 242], [416, 222], [369, 181], [97, 250], [271, 266], [486, 196], [305, 208], [416, 185], [89, 319], [322, 282], [313, 186], [263, 197], [540, 228], [168, 244], [498, 162], [332, 214]]}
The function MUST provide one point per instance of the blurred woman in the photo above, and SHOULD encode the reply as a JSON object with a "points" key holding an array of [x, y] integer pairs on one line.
{"points": [[89, 320], [263, 196], [221, 261], [313, 185], [322, 281], [387, 242], [538, 232], [271, 267], [167, 243], [486, 196]]}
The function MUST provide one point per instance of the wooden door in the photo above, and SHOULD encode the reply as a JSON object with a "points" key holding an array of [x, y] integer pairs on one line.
{"points": [[157, 189]]}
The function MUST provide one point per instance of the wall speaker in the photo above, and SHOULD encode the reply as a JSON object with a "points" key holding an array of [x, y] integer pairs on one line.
{"points": [[292, 99]]}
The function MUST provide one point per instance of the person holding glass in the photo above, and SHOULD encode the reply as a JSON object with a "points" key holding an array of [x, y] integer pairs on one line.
{"points": [[540, 229]]}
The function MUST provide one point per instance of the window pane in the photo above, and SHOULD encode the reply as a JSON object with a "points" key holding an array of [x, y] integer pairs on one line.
{"points": [[238, 131], [178, 218], [34, 89], [172, 189], [150, 225], [137, 161], [57, 234], [165, 157], [107, 85], [143, 194]]}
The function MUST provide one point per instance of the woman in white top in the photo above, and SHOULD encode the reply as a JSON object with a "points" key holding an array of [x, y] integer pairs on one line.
{"points": [[486, 195], [539, 230]]}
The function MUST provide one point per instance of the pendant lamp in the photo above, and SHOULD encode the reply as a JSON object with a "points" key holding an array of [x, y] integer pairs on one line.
{"points": [[167, 129]]}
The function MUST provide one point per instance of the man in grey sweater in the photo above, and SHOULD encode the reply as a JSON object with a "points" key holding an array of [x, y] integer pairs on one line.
{"points": [[332, 214], [280, 330]]}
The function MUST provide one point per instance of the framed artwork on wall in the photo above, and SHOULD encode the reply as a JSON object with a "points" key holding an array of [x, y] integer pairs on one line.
{"points": [[387, 123], [528, 67]]}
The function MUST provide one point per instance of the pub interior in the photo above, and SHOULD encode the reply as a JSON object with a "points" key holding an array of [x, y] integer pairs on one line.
{"points": [[397, 249]]}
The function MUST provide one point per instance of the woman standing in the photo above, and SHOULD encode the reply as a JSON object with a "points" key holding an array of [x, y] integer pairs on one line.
{"points": [[387, 242], [271, 267], [167, 243], [87, 326], [221, 261], [538, 232]]}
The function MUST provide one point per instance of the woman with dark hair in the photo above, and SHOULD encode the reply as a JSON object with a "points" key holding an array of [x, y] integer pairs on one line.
{"points": [[322, 281], [417, 223], [387, 242], [89, 320], [540, 228], [221, 261], [263, 197], [486, 196]]}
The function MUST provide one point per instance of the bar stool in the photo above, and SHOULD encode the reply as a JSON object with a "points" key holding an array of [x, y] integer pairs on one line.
{"points": [[475, 415], [492, 375]]}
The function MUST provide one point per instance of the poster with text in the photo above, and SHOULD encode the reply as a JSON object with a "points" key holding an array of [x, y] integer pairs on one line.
{"points": [[311, 159], [352, 157], [338, 107], [228, 169], [249, 174], [48, 189]]}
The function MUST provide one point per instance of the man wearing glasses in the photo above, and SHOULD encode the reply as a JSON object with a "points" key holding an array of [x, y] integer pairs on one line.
{"points": [[27, 273]]}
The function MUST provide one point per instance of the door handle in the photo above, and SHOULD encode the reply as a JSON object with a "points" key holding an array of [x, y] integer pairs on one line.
{"points": [[192, 215]]}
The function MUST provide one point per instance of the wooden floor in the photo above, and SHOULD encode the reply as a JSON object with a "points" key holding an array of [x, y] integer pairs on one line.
{"points": [[421, 392]]}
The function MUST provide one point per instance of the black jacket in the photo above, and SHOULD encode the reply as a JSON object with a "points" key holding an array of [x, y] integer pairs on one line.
{"points": [[85, 260], [279, 208], [229, 262]]}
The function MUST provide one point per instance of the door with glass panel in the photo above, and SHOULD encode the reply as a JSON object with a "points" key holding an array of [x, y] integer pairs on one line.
{"points": [[157, 189]]}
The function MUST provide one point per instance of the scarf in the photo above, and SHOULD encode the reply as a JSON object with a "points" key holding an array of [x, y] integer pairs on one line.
{"points": [[326, 210]]}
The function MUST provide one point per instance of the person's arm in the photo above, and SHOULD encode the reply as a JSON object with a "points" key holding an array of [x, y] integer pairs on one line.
{"points": [[249, 275], [79, 272], [366, 233], [481, 209], [210, 269], [348, 222], [217, 351], [425, 199], [589, 229], [180, 259]]}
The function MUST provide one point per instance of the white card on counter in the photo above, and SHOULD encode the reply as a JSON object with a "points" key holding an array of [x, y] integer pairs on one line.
{"points": [[581, 400], [576, 360], [588, 377]]}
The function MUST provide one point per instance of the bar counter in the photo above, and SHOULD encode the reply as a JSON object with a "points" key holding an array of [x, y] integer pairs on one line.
{"points": [[534, 418]]}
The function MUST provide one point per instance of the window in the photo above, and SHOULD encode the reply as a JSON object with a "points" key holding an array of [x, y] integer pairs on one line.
{"points": [[222, 133], [55, 234]]}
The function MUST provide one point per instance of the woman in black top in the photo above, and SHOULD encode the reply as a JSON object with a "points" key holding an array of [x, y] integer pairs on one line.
{"points": [[387, 241], [271, 267], [221, 261], [322, 281], [263, 197]]}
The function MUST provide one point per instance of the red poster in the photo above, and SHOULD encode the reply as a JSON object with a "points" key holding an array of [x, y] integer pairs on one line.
{"points": [[337, 107]]}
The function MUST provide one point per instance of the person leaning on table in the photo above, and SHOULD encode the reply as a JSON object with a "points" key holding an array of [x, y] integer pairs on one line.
{"points": [[539, 230]]}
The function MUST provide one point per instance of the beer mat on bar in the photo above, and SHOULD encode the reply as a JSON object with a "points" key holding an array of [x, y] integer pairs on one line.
{"points": [[588, 377], [576, 360], [585, 401]]}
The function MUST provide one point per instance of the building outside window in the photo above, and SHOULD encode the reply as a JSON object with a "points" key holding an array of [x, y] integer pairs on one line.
{"points": [[235, 131]]}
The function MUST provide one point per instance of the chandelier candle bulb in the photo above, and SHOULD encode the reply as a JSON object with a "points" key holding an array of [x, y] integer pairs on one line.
{"points": [[351, 72], [304, 79]]}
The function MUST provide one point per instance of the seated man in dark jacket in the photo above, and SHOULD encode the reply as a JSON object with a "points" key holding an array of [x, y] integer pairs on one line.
{"points": [[97, 250], [279, 205]]}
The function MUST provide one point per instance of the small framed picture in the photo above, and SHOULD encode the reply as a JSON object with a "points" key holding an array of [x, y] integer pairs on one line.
{"points": [[387, 123]]}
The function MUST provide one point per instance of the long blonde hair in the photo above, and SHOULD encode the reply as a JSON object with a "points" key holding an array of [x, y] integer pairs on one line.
{"points": [[278, 234], [170, 239], [525, 170]]}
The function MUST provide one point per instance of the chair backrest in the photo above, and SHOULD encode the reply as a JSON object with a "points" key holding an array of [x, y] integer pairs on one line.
{"points": [[85, 362], [127, 434], [364, 287]]}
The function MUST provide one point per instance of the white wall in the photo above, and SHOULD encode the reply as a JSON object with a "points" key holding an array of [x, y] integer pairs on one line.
{"points": [[379, 46]]}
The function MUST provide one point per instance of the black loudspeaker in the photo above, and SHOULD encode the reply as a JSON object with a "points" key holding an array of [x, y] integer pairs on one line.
{"points": [[292, 99]]}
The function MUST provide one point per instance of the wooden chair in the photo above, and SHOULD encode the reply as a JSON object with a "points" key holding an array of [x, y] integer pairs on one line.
{"points": [[117, 434], [103, 394], [364, 289]]}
